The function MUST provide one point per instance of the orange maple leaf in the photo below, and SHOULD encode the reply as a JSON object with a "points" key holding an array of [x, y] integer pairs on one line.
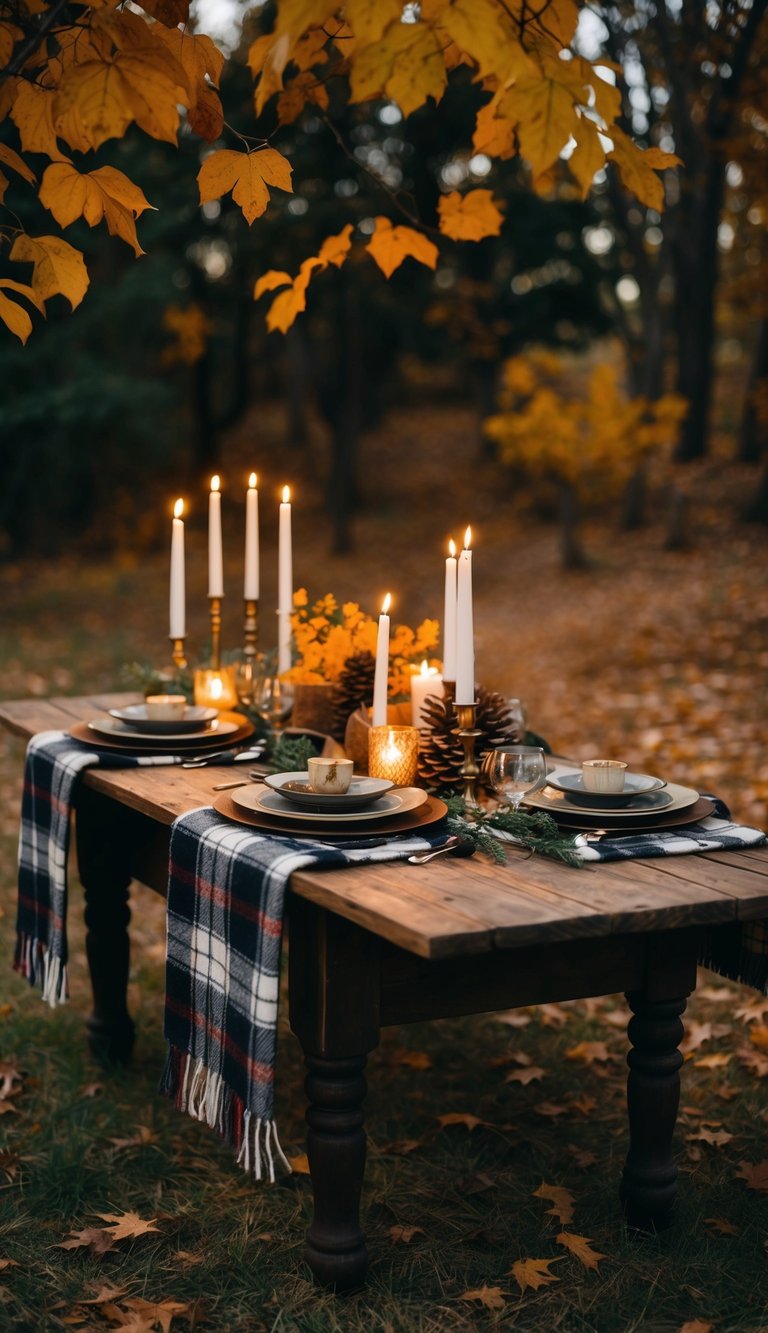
{"points": [[59, 269], [126, 1225], [589, 1051], [246, 176], [562, 1201], [104, 193], [533, 1273], [491, 1297], [580, 1246], [755, 1174], [469, 217], [389, 246]]}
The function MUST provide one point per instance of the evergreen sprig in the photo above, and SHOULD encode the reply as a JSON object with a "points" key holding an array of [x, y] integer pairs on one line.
{"points": [[537, 831], [289, 754]]}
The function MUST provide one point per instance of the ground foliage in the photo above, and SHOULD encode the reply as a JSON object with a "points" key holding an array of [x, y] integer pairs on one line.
{"points": [[496, 1142]]}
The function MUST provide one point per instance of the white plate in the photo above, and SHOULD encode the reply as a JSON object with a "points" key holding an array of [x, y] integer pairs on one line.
{"points": [[571, 781], [196, 718], [362, 792], [118, 731], [549, 798], [270, 803]]}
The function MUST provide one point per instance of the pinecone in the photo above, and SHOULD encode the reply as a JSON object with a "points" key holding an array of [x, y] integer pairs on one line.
{"points": [[353, 688], [440, 752]]}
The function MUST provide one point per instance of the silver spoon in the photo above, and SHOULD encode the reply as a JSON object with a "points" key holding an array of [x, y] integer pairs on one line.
{"points": [[454, 847]]}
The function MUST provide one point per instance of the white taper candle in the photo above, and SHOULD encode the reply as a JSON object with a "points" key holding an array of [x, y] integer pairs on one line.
{"points": [[177, 598], [381, 675], [465, 637]]}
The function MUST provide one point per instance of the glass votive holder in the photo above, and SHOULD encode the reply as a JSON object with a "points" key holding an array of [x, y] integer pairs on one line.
{"points": [[216, 688], [393, 753]]}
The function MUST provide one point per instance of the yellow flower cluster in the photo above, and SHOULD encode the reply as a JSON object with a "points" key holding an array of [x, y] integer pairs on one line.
{"points": [[325, 634]]}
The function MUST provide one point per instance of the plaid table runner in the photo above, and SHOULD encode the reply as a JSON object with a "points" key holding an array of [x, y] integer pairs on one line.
{"points": [[225, 912], [716, 833], [54, 763]]}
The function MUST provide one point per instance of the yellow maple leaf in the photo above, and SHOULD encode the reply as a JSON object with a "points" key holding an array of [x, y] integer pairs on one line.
{"points": [[9, 36], [168, 12], [389, 246], [544, 112], [11, 159], [98, 99], [246, 176], [291, 101], [295, 16], [490, 1297], [270, 281], [469, 217], [561, 1199], [369, 18], [32, 114], [580, 1246], [290, 303], [59, 269], [191, 328], [638, 169], [484, 31], [406, 64], [335, 249], [533, 1273], [125, 1225], [14, 315], [104, 193], [202, 63], [311, 49], [492, 134], [588, 156]]}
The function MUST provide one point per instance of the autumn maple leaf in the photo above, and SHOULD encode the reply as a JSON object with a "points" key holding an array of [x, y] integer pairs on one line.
{"points": [[125, 1225], [491, 1297], [562, 1201], [246, 176], [581, 1248], [389, 246], [755, 1174], [469, 217], [533, 1273], [96, 1239]]}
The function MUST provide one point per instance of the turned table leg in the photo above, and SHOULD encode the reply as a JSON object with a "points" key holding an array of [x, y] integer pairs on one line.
{"points": [[334, 997], [649, 1182], [102, 853]]}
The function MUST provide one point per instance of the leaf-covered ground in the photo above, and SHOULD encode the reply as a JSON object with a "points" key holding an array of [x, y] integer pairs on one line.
{"points": [[496, 1142]]}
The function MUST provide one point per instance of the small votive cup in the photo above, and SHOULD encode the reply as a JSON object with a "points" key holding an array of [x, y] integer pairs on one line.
{"points": [[216, 688], [393, 753], [603, 774], [330, 775], [165, 707]]}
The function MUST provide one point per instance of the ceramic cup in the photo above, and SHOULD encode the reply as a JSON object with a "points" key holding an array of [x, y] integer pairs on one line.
{"points": [[165, 707], [603, 774], [330, 775]]}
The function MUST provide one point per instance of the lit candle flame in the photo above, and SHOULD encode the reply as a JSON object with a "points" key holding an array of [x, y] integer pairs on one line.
{"points": [[216, 482], [452, 547], [467, 539], [386, 604], [424, 668], [286, 495], [178, 509], [391, 754], [216, 687], [252, 481]]}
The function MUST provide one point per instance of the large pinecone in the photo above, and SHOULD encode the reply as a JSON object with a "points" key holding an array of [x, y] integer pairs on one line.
{"points": [[353, 688], [440, 750]]}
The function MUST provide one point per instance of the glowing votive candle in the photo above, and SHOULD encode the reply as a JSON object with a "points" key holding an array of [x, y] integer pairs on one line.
{"points": [[216, 689], [393, 753]]}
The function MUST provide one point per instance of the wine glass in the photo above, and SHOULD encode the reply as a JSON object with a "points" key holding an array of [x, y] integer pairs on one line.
{"points": [[514, 770], [273, 700]]}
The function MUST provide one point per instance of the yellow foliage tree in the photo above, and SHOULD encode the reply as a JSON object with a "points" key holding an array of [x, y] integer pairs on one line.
{"points": [[586, 447], [75, 77]]}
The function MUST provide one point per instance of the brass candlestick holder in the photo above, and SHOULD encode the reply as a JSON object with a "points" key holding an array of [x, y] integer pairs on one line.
{"points": [[251, 630], [468, 733], [215, 612], [178, 656]]}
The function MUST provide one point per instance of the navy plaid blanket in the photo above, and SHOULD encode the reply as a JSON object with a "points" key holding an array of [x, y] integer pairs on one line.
{"points": [[225, 912], [716, 833], [53, 765]]}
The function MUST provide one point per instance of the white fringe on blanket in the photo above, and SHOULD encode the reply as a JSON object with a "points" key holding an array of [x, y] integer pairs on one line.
{"points": [[203, 1096], [38, 964]]}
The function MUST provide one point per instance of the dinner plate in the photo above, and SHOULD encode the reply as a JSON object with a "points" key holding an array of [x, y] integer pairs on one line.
{"points": [[294, 787], [429, 811], [557, 803], [187, 745], [114, 730], [195, 719], [635, 784], [638, 823], [270, 803]]}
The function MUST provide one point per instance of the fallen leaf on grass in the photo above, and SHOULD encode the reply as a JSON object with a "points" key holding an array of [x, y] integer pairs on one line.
{"points": [[716, 1061], [752, 1011], [755, 1174], [515, 1018], [413, 1059], [715, 994], [461, 1118], [7, 1108], [123, 1226], [589, 1051], [95, 1239], [618, 1018], [580, 1246], [696, 1326], [106, 1292], [582, 1156], [92, 1090], [404, 1235], [525, 1076], [402, 1147], [157, 1312], [754, 1061], [300, 1164], [550, 1109], [695, 1035], [721, 1226], [562, 1201], [586, 1105], [8, 1076], [533, 1273], [477, 1184], [759, 1037], [187, 1257], [143, 1135], [491, 1297], [715, 1137], [552, 1016], [8, 1263]]}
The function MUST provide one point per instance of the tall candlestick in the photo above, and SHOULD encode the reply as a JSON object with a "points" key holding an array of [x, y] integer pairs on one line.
{"points": [[381, 676], [177, 607], [449, 615], [284, 585], [215, 555], [465, 640], [251, 580]]}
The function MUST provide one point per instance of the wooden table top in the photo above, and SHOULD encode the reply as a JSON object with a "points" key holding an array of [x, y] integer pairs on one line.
{"points": [[453, 907]]}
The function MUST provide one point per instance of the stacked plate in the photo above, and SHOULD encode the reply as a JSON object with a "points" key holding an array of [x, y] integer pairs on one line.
{"points": [[130, 729], [287, 804], [646, 803]]}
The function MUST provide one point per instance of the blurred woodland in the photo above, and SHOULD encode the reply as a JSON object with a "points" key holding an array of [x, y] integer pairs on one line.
{"points": [[605, 345]]}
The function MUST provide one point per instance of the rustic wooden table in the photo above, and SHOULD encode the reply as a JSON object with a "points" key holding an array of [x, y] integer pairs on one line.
{"points": [[386, 944]]}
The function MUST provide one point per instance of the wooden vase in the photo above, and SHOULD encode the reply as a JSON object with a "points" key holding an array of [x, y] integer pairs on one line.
{"points": [[313, 707]]}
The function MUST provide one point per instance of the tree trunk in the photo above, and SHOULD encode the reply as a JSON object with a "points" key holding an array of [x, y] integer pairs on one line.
{"points": [[572, 553], [635, 496], [757, 511], [342, 482], [696, 281], [752, 436], [678, 533]]}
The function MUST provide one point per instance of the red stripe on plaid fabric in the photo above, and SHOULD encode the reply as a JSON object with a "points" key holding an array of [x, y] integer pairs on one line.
{"points": [[223, 899], [259, 1073], [42, 794], [41, 909]]}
